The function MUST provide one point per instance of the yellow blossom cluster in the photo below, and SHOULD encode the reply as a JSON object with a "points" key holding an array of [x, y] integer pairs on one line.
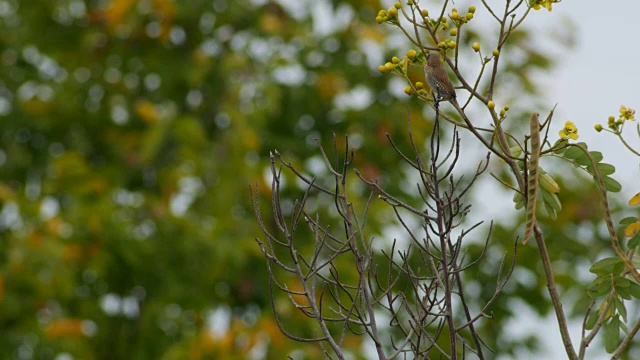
{"points": [[569, 131], [539, 4], [626, 114]]}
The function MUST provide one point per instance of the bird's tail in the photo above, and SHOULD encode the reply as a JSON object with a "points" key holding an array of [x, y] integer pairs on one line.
{"points": [[455, 104]]}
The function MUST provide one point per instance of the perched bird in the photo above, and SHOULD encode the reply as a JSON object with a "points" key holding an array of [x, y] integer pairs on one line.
{"points": [[438, 79]]}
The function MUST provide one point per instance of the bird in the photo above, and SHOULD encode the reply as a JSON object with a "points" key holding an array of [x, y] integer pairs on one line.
{"points": [[438, 80]]}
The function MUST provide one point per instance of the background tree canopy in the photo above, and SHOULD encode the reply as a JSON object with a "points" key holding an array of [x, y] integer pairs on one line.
{"points": [[130, 131]]}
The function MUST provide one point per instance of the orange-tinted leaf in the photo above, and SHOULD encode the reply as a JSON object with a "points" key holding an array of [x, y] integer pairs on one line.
{"points": [[35, 239], [6, 193], [116, 12], [330, 84], [65, 327], [635, 200], [271, 23], [165, 9], [55, 226], [146, 111], [72, 252], [632, 229]]}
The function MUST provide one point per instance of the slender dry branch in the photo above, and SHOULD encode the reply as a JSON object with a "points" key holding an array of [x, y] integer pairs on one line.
{"points": [[422, 313]]}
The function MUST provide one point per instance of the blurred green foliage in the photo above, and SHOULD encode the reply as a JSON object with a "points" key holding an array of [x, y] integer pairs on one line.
{"points": [[130, 131]]}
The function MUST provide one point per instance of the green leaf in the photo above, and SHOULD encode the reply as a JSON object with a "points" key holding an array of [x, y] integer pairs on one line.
{"points": [[624, 327], [604, 288], [583, 160], [604, 273], [575, 153], [634, 290], [558, 149], [596, 155], [546, 209], [542, 207], [634, 241], [572, 152], [606, 264], [621, 282], [600, 287], [603, 169], [611, 185], [551, 200], [623, 292], [622, 310], [591, 320], [518, 199], [611, 334], [618, 268], [628, 220], [606, 169]]}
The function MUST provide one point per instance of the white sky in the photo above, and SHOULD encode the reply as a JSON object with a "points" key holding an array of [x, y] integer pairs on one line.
{"points": [[601, 74]]}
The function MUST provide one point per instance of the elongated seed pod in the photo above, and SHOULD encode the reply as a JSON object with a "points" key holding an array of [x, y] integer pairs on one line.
{"points": [[532, 182]]}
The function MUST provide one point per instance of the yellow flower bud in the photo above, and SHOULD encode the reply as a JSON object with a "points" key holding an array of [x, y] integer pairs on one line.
{"points": [[379, 19], [453, 32], [408, 90], [424, 13], [503, 112], [611, 119], [475, 47], [598, 127], [472, 9], [411, 54], [382, 69], [392, 12], [452, 44], [410, 2], [382, 13], [496, 52], [506, 107], [395, 60], [419, 85], [397, 5], [389, 66], [455, 15], [445, 26], [491, 105], [469, 16]]}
